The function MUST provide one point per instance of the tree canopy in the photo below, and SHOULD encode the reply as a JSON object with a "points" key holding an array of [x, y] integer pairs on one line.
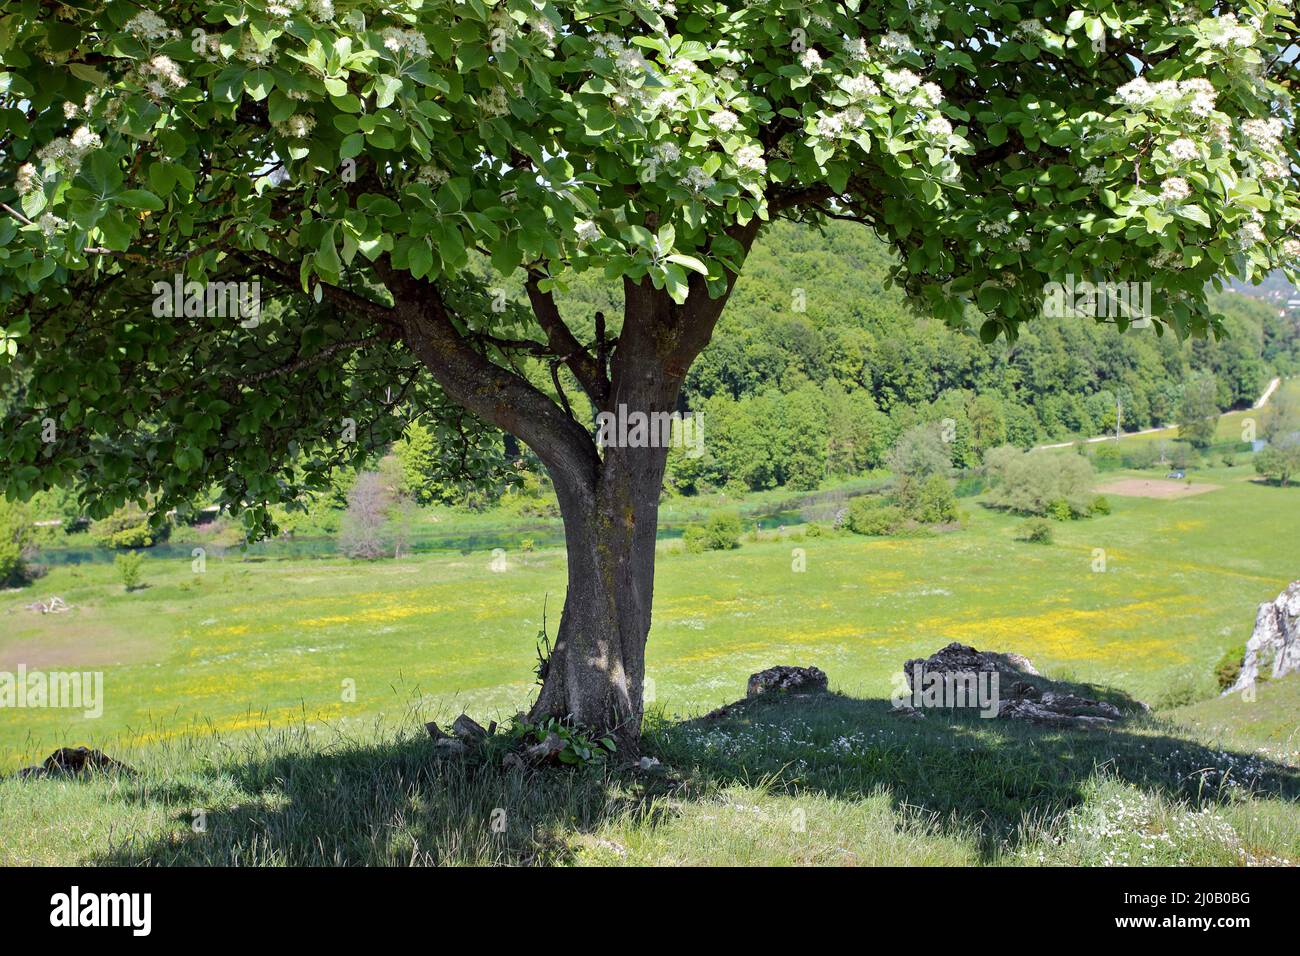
{"points": [[360, 157]]}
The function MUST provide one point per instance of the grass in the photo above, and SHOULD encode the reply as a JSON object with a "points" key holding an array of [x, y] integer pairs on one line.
{"points": [[827, 780], [283, 699], [264, 643]]}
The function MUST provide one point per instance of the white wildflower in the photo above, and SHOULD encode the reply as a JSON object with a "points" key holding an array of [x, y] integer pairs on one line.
{"points": [[751, 158], [811, 60], [861, 86], [147, 25]]}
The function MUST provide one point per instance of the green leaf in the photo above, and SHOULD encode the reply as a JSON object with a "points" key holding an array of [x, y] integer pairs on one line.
{"points": [[138, 199]]}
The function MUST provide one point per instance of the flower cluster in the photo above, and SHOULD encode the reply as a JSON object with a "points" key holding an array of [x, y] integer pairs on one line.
{"points": [[28, 179], [147, 25], [410, 42], [1291, 251], [431, 175], [1264, 134], [1229, 32], [586, 230], [1175, 189], [1183, 150], [67, 153], [895, 44], [297, 126], [161, 75], [1196, 95]]}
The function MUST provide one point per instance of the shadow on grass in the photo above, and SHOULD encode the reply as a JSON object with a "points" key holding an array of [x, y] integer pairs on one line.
{"points": [[970, 774], [288, 799]]}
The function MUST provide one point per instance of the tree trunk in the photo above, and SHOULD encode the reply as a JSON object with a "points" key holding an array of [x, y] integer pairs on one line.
{"points": [[595, 675]]}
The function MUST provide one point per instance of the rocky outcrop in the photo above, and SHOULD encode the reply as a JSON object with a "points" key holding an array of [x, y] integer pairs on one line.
{"points": [[1274, 646], [786, 679], [75, 761], [1018, 693]]}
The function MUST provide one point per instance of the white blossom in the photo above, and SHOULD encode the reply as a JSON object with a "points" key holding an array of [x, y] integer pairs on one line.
{"points": [[1183, 150], [28, 179], [751, 158], [724, 121], [1291, 250], [811, 60], [901, 81], [861, 86], [147, 25], [697, 180], [405, 41], [586, 230], [50, 224], [1175, 189], [896, 44]]}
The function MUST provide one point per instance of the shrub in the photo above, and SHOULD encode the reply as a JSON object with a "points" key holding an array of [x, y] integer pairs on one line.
{"points": [[15, 536], [127, 527], [1228, 669], [720, 532], [1032, 483], [1100, 506], [128, 568], [1036, 531], [932, 501], [1060, 510], [693, 538], [870, 515]]}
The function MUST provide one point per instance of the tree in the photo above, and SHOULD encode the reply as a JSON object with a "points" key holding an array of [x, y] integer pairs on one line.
{"points": [[1035, 482], [362, 533], [364, 166], [1198, 412], [1280, 462]]}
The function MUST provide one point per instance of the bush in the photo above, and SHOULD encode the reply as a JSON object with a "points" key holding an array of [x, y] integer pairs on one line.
{"points": [[870, 515], [128, 568], [1040, 482], [127, 527], [933, 502], [1228, 669], [1060, 510], [1036, 531], [15, 536], [721, 532]]}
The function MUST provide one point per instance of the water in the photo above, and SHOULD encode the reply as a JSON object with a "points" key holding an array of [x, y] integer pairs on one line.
{"points": [[452, 540]]}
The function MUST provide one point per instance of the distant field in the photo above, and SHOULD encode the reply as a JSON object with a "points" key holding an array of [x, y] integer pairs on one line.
{"points": [[252, 643]]}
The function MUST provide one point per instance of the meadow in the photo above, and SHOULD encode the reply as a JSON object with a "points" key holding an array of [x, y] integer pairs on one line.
{"points": [[1146, 599], [274, 706]]}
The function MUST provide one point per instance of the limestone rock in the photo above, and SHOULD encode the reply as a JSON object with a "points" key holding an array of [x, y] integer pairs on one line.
{"points": [[468, 729], [1274, 645], [786, 679]]}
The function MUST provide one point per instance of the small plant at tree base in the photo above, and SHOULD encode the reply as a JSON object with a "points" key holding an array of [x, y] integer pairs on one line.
{"points": [[128, 565], [580, 749], [1100, 506], [528, 546], [1036, 531]]}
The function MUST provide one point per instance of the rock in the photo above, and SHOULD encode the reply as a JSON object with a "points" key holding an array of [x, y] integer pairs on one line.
{"points": [[513, 761], [1274, 645], [908, 711], [1021, 692], [786, 679], [435, 731], [547, 749], [468, 730], [648, 763], [451, 747], [74, 761]]}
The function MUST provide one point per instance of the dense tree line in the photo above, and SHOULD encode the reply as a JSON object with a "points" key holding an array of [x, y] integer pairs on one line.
{"points": [[820, 364]]}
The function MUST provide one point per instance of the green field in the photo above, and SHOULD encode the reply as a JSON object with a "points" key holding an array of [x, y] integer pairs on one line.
{"points": [[227, 690], [252, 643]]}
